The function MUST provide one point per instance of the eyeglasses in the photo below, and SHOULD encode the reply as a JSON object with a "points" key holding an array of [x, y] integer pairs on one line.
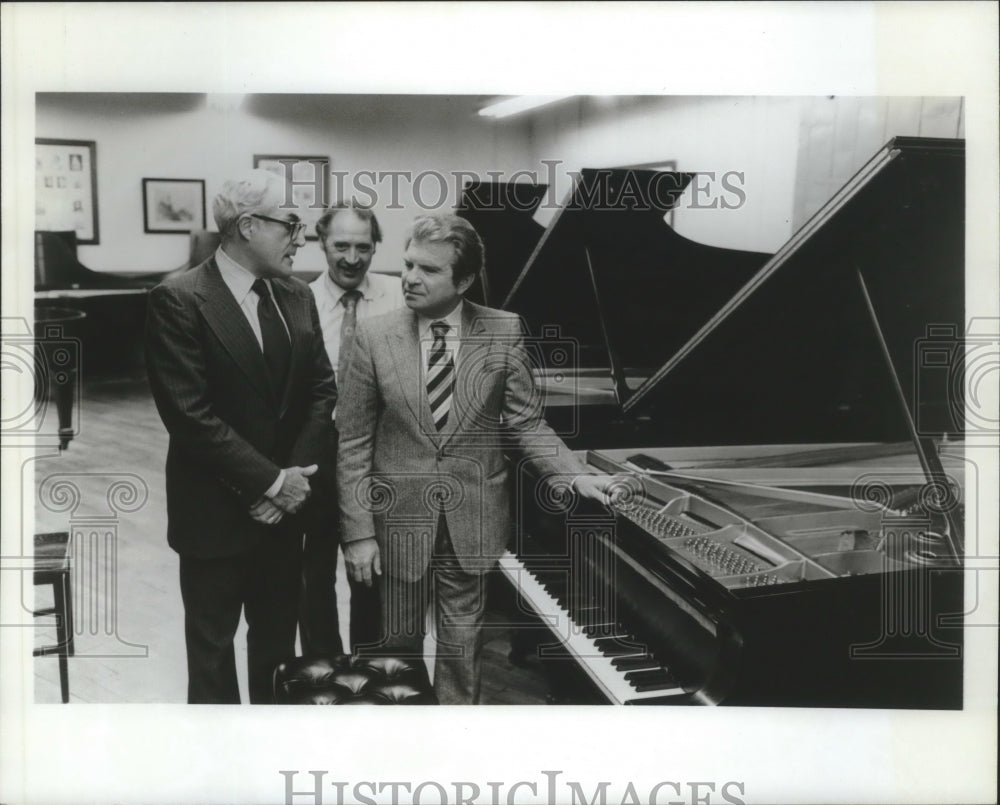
{"points": [[295, 228]]}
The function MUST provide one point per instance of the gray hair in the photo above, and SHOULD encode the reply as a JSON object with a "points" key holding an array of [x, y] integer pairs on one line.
{"points": [[252, 192], [447, 228]]}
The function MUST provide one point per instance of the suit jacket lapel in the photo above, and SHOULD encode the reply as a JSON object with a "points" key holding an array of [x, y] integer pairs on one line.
{"points": [[404, 344], [232, 328]]}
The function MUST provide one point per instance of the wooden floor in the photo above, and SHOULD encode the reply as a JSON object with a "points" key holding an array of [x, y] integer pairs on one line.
{"points": [[129, 616]]}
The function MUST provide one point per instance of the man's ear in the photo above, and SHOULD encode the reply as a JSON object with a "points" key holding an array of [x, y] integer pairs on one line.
{"points": [[244, 226], [464, 284]]}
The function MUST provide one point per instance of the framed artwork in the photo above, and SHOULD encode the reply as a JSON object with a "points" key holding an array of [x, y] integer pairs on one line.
{"points": [[309, 178], [66, 188], [173, 205]]}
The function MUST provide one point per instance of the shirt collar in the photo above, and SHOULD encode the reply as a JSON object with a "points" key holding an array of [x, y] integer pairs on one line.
{"points": [[454, 319], [237, 278], [336, 292]]}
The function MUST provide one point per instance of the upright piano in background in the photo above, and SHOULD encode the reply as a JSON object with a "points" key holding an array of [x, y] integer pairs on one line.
{"points": [[791, 532]]}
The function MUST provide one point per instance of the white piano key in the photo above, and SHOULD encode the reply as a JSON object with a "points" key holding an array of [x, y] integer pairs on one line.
{"points": [[598, 667]]}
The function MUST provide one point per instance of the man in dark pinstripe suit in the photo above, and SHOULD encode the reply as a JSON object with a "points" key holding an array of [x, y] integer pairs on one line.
{"points": [[244, 387]]}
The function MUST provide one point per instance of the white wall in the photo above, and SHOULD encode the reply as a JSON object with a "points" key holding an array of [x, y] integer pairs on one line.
{"points": [[179, 136], [838, 135], [793, 153], [757, 136]]}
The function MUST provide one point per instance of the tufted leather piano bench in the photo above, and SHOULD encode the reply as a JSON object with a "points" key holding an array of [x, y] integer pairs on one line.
{"points": [[344, 679]]}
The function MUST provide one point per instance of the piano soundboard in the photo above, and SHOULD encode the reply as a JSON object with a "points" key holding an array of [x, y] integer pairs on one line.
{"points": [[673, 558]]}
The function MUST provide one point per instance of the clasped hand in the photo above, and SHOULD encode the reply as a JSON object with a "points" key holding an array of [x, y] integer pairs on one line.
{"points": [[292, 495]]}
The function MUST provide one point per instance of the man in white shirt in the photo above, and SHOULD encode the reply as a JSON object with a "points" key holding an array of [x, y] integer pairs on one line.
{"points": [[345, 294]]}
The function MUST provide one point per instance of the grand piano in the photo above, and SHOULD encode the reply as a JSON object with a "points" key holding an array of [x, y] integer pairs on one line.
{"points": [[791, 531], [503, 215], [609, 291], [114, 303]]}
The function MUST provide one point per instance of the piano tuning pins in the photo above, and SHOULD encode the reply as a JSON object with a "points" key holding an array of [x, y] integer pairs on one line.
{"points": [[717, 556], [762, 580], [660, 525]]}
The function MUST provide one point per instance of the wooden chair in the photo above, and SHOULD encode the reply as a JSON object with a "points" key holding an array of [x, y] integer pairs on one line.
{"points": [[52, 566]]}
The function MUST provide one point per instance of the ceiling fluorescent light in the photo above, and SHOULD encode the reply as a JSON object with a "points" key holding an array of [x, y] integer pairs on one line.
{"points": [[224, 102], [519, 103]]}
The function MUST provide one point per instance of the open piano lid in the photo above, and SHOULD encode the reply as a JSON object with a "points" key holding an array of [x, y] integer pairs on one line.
{"points": [[503, 215], [660, 286], [849, 334], [796, 354]]}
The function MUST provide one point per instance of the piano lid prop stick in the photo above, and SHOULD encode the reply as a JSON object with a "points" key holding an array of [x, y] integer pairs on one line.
{"points": [[776, 492]]}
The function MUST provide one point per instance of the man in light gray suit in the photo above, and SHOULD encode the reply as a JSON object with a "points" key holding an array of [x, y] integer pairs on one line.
{"points": [[436, 393]]}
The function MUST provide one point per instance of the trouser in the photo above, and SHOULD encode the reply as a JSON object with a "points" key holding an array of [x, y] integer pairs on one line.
{"points": [[459, 600], [319, 622], [263, 584]]}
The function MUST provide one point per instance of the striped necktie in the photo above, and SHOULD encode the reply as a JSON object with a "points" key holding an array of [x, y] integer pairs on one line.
{"points": [[440, 375]]}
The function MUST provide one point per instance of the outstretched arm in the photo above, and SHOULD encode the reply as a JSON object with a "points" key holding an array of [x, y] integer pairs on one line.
{"points": [[523, 418]]}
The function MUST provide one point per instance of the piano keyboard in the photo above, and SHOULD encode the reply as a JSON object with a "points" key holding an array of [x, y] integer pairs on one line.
{"points": [[615, 661]]}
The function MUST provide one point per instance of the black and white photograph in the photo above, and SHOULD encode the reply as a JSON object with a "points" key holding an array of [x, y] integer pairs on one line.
{"points": [[309, 179], [639, 440], [56, 162], [173, 205]]}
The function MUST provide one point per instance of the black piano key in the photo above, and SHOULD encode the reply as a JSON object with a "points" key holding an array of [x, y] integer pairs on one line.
{"points": [[653, 676], [588, 616], [576, 598], [641, 663], [645, 687], [614, 647], [596, 631], [581, 613]]}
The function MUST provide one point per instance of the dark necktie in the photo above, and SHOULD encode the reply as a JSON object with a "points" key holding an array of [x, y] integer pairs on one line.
{"points": [[277, 349], [347, 327], [440, 375]]}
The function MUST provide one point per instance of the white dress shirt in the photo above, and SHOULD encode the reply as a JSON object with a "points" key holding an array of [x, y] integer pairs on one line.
{"points": [[238, 280], [380, 293]]}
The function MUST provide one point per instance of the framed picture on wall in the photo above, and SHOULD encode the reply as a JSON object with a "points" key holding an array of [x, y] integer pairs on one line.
{"points": [[66, 188], [309, 180], [171, 206]]}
